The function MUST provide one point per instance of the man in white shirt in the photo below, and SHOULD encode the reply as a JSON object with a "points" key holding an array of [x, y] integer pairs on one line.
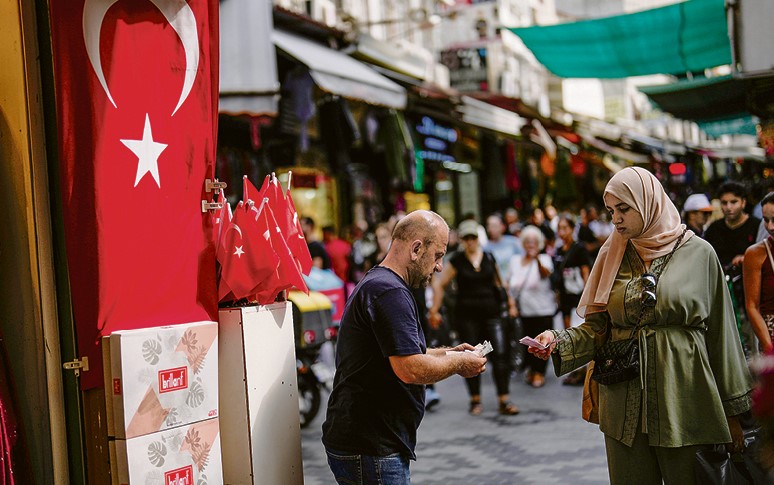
{"points": [[501, 245]]}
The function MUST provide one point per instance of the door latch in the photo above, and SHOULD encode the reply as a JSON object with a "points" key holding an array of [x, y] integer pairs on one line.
{"points": [[77, 365]]}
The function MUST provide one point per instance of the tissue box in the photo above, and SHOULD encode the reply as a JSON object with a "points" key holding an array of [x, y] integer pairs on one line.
{"points": [[162, 378], [188, 455]]}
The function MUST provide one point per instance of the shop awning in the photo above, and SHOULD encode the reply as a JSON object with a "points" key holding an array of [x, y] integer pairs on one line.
{"points": [[686, 37], [719, 105], [615, 151], [739, 125], [485, 115], [700, 99], [390, 56], [337, 73], [248, 65]]}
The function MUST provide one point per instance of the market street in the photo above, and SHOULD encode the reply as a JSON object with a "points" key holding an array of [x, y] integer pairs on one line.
{"points": [[547, 442]]}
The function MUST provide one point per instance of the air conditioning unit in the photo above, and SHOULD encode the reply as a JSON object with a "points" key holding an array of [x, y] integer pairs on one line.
{"points": [[324, 11]]}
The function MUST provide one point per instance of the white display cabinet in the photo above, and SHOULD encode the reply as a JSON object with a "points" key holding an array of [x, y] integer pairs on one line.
{"points": [[259, 420]]}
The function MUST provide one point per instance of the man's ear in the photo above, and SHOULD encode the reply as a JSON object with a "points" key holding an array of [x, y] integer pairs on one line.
{"points": [[415, 247]]}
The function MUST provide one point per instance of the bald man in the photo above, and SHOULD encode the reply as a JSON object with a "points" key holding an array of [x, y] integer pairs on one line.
{"points": [[382, 363]]}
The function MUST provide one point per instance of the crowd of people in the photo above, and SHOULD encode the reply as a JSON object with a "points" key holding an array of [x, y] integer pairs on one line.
{"points": [[603, 276]]}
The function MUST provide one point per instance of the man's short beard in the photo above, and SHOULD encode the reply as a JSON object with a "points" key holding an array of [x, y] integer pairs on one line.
{"points": [[417, 279]]}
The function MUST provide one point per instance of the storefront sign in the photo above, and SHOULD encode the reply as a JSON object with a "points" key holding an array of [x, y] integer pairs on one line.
{"points": [[435, 140], [467, 68]]}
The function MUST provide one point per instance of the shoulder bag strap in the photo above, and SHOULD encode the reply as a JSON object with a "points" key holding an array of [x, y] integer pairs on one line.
{"points": [[529, 271]]}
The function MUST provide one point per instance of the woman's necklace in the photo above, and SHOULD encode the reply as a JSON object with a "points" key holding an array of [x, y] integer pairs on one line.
{"points": [[475, 260]]}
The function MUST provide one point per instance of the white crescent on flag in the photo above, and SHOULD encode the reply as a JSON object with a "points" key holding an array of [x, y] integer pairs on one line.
{"points": [[238, 251], [236, 228], [180, 17]]}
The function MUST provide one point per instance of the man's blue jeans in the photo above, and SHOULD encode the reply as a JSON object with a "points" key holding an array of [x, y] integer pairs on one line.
{"points": [[367, 470]]}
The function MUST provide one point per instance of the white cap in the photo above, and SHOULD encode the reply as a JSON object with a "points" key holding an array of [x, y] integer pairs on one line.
{"points": [[697, 202]]}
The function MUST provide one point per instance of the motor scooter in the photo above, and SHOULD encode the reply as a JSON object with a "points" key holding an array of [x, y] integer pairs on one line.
{"points": [[313, 374], [316, 335]]}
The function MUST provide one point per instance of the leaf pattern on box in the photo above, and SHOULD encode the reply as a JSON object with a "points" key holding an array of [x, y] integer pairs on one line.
{"points": [[198, 354], [151, 350], [172, 418], [200, 451], [156, 453], [195, 393], [202, 480], [190, 339], [195, 353]]}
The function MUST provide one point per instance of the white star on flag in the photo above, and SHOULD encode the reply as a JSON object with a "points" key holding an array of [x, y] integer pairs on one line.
{"points": [[239, 252], [147, 152]]}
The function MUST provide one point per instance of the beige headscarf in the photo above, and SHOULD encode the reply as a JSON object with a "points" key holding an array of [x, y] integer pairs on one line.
{"points": [[661, 227]]}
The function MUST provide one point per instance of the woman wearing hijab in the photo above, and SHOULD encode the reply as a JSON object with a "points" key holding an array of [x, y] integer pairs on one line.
{"points": [[693, 380]]}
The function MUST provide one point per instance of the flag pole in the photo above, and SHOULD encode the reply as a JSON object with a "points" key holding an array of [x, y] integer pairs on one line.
{"points": [[244, 187], [290, 177], [263, 203]]}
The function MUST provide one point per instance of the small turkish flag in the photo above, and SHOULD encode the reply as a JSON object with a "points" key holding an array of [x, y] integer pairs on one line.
{"points": [[297, 243], [137, 102], [289, 272], [249, 192], [266, 291], [249, 257]]}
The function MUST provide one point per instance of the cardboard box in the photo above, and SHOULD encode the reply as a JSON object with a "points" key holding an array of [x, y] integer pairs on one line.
{"points": [[188, 455], [259, 396], [162, 378]]}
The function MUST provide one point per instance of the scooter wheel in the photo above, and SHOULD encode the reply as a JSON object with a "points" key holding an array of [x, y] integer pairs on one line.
{"points": [[308, 401]]}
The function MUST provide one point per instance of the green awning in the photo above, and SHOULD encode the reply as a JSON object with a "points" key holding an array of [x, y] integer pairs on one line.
{"points": [[700, 99], [686, 37], [737, 125]]}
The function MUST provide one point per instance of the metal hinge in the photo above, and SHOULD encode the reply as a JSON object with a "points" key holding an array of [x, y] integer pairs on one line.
{"points": [[211, 206], [214, 185], [77, 365]]}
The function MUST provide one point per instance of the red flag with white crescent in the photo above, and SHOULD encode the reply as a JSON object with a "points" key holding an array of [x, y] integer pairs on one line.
{"points": [[289, 272], [268, 288], [137, 99], [287, 219], [249, 192], [248, 257], [297, 243]]}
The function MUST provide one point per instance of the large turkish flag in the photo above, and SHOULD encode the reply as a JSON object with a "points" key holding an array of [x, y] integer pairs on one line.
{"points": [[137, 98]]}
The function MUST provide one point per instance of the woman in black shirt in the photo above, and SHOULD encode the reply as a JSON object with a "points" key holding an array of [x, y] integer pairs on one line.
{"points": [[477, 311]]}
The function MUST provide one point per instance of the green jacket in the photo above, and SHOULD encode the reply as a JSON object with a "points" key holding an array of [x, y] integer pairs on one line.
{"points": [[693, 371]]}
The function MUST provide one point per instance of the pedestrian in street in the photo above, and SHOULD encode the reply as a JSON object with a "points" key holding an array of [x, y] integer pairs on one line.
{"points": [[382, 363], [572, 266], [500, 244], [654, 282], [339, 252], [529, 280], [696, 212], [759, 279], [730, 237], [320, 257], [478, 311]]}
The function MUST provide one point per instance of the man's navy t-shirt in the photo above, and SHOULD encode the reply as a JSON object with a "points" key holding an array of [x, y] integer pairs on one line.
{"points": [[371, 411]]}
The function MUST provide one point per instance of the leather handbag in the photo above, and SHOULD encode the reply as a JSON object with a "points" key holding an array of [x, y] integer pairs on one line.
{"points": [[617, 361]]}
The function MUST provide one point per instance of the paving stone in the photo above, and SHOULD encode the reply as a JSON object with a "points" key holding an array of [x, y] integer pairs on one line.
{"points": [[547, 443]]}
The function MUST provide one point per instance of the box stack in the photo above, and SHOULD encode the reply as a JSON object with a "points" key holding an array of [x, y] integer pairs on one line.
{"points": [[162, 401]]}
